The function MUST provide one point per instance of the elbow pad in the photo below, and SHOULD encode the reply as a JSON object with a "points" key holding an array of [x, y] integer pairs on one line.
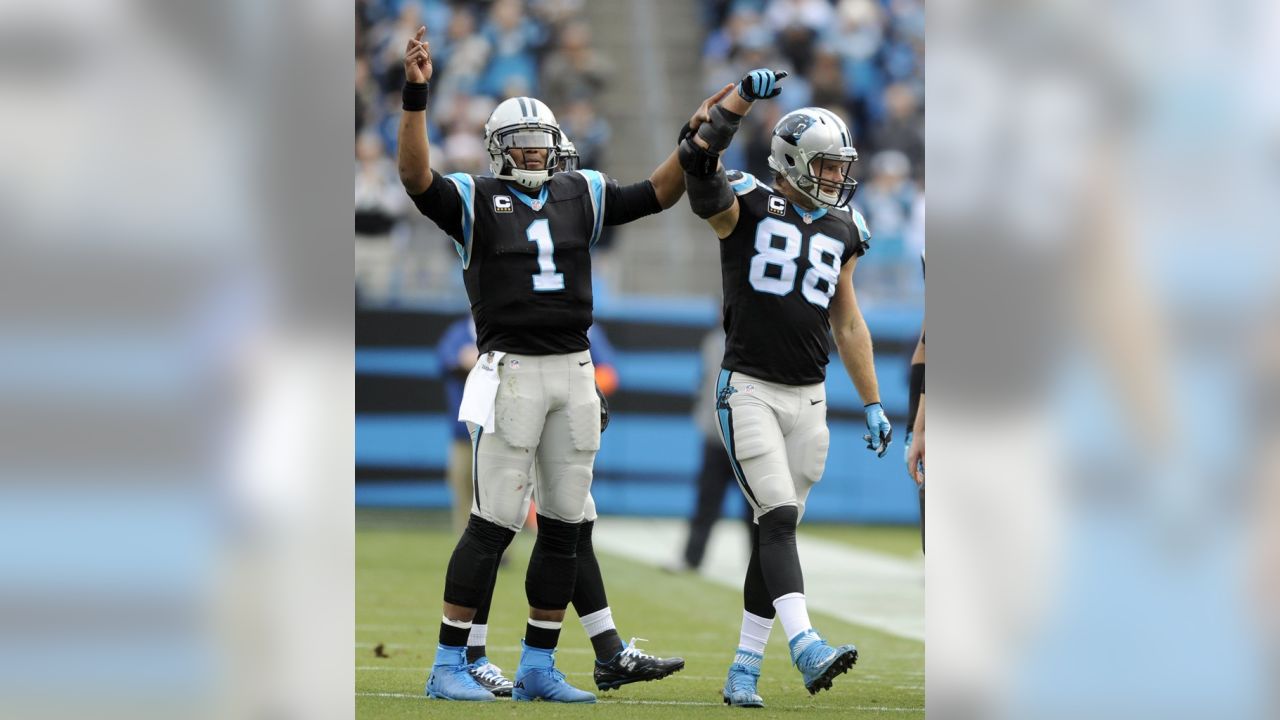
{"points": [[708, 195], [718, 132], [695, 160]]}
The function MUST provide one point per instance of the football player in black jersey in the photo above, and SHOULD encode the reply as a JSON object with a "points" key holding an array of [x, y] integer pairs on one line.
{"points": [[524, 235], [616, 664], [787, 255]]}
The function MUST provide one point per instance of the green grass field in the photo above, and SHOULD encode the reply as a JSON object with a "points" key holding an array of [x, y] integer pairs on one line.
{"points": [[400, 564]]}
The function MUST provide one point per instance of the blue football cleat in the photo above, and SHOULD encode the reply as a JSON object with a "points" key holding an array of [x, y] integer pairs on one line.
{"points": [[538, 679], [451, 677], [818, 662], [740, 686]]}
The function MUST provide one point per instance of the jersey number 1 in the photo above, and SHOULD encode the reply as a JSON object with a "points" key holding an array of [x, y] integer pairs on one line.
{"points": [[547, 280], [821, 247]]}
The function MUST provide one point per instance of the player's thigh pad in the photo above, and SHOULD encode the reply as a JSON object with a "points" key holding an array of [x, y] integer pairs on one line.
{"points": [[583, 405], [502, 482], [757, 448], [807, 447], [564, 471], [520, 408]]}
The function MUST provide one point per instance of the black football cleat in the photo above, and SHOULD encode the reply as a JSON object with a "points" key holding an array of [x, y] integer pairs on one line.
{"points": [[632, 665]]}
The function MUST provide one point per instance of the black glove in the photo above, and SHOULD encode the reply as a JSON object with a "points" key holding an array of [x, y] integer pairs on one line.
{"points": [[604, 410], [761, 83]]}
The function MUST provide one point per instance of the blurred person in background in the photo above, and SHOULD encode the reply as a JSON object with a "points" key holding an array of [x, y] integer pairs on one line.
{"points": [[515, 40], [458, 353], [914, 452], [527, 232], [574, 70], [716, 474], [903, 126], [888, 201], [780, 302], [379, 218]]}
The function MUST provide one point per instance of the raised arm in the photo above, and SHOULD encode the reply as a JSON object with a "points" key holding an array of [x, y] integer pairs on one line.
{"points": [[668, 178], [415, 151], [699, 152], [853, 340]]}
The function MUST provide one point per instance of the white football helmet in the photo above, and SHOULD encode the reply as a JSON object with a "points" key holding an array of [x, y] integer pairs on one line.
{"points": [[813, 150], [521, 122]]}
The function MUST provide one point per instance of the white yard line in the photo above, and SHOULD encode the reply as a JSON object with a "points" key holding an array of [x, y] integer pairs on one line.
{"points": [[694, 703], [858, 586]]}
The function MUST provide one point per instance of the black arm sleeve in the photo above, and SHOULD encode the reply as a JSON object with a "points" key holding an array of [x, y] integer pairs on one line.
{"points": [[624, 203], [442, 203], [916, 389]]}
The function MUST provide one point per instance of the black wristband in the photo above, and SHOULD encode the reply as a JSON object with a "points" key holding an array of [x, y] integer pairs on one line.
{"points": [[414, 96], [685, 132], [916, 388]]}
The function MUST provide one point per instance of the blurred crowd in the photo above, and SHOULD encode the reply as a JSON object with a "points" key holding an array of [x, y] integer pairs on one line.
{"points": [[483, 52], [863, 60]]}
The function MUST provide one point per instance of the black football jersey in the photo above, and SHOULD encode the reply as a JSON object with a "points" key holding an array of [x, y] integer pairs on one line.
{"points": [[526, 260], [780, 267]]}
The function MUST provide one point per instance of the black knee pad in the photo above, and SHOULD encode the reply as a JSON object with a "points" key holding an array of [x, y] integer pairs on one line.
{"points": [[779, 559], [549, 582], [474, 564]]}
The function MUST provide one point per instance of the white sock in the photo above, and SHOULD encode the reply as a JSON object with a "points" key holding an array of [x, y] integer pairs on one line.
{"points": [[755, 632], [546, 624], [597, 622], [464, 624], [479, 635], [794, 614]]}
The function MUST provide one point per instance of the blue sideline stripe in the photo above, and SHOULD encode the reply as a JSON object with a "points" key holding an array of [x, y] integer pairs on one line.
{"points": [[410, 362]]}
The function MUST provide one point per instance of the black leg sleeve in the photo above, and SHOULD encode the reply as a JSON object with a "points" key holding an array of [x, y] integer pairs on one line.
{"points": [[755, 595], [588, 590], [553, 566], [779, 559]]}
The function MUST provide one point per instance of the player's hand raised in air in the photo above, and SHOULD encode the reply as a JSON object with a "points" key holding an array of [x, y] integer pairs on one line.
{"points": [[760, 84], [703, 113], [417, 58], [879, 432]]}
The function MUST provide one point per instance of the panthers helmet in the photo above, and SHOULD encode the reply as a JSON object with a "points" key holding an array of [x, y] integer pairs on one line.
{"points": [[526, 123], [809, 147], [569, 158]]}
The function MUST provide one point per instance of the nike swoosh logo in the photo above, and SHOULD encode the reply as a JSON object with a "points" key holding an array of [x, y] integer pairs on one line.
{"points": [[584, 363], [814, 402]]}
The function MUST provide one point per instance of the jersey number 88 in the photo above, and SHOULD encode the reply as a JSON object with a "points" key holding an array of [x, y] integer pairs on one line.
{"points": [[824, 260]]}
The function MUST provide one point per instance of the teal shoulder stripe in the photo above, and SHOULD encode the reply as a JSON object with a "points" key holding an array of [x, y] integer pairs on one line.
{"points": [[744, 184], [467, 189], [595, 188], [862, 225]]}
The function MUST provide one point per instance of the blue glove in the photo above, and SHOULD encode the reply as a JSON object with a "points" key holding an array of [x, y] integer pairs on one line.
{"points": [[761, 83], [879, 432]]}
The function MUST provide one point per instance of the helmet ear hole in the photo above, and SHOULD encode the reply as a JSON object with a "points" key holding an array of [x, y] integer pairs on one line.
{"points": [[790, 160]]}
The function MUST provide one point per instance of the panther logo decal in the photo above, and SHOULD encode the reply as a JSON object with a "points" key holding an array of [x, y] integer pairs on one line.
{"points": [[793, 128], [722, 400]]}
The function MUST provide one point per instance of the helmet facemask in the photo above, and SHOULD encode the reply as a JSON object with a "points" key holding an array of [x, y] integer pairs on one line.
{"points": [[830, 179], [524, 136]]}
